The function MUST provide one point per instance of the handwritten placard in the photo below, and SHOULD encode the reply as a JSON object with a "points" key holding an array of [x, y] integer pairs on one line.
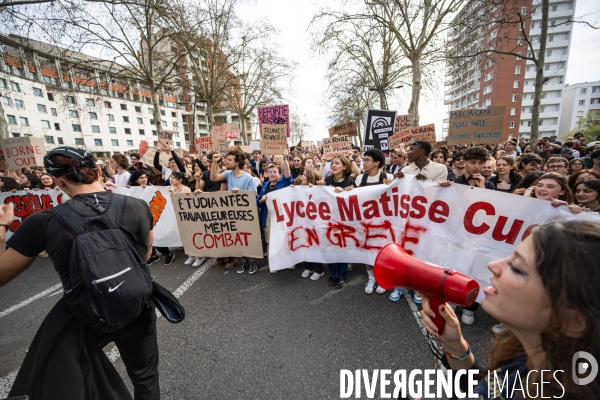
{"points": [[255, 145], [274, 115], [148, 157], [347, 129], [425, 132], [165, 139], [26, 151], [336, 146], [476, 125], [403, 122], [274, 139], [204, 143]]}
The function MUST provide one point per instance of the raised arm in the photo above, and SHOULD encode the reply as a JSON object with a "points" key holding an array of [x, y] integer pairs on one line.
{"points": [[215, 175], [286, 165]]}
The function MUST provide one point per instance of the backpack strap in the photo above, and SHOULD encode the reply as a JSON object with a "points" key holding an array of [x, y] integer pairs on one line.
{"points": [[382, 176], [78, 224], [363, 179]]}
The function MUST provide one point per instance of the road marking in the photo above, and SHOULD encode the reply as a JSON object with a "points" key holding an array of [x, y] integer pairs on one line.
{"points": [[255, 287], [29, 300], [113, 354], [333, 292]]}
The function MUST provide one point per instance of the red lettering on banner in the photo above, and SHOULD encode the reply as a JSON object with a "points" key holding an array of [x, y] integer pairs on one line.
{"points": [[418, 208], [27, 204], [438, 210], [224, 240], [511, 236], [311, 238], [280, 217], [337, 234], [349, 211], [369, 227], [411, 234], [470, 215], [497, 233]]}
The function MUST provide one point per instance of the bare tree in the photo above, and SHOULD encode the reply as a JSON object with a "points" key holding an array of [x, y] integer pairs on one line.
{"points": [[299, 127]]}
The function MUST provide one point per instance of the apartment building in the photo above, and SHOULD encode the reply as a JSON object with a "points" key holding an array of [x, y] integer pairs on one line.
{"points": [[75, 99], [509, 80], [578, 99]]}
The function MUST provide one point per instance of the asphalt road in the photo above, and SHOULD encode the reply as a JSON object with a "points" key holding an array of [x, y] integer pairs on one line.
{"points": [[261, 336]]}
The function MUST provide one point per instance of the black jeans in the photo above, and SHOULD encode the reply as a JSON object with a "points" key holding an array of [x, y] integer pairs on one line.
{"points": [[315, 267], [163, 250], [138, 346]]}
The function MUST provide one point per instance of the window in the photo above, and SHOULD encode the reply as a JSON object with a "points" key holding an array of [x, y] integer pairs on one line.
{"points": [[515, 98], [582, 102], [547, 67], [164, 123], [173, 114], [2, 83], [186, 137], [162, 112], [515, 84], [583, 91], [90, 102], [186, 128], [487, 102], [151, 122], [127, 131], [543, 96], [155, 143], [110, 117], [6, 101], [70, 99], [184, 118], [549, 53], [154, 133], [511, 124], [50, 97], [178, 144], [174, 124], [596, 89], [73, 114], [45, 124], [38, 92], [76, 128], [124, 107], [97, 142], [49, 139], [42, 108], [125, 119], [553, 8], [95, 129], [114, 142], [11, 119], [552, 23], [542, 109], [24, 121], [141, 132], [519, 56], [150, 111], [517, 70], [176, 134], [487, 89], [541, 122], [513, 111], [174, 48], [138, 109], [93, 115], [107, 104], [60, 140], [140, 121], [529, 123], [15, 86], [551, 38], [79, 141], [56, 126], [523, 10], [53, 112], [20, 104], [130, 143], [530, 110]]}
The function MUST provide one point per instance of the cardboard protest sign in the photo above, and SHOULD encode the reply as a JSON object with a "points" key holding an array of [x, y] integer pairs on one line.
{"points": [[348, 129], [476, 125], [254, 145], [274, 115], [336, 146], [403, 122], [458, 227], [441, 143], [219, 224], [232, 130], [305, 143], [165, 139], [274, 139], [148, 157], [204, 143], [25, 151], [193, 149], [166, 230], [378, 127], [425, 132]]}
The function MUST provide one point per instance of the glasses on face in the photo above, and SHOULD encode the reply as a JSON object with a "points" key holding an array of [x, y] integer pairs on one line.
{"points": [[273, 172], [459, 159], [415, 144], [556, 166]]}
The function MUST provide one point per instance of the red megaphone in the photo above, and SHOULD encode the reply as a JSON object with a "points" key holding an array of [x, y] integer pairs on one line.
{"points": [[394, 268]]}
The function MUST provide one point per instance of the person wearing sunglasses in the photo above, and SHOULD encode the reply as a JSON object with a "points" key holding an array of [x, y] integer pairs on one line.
{"points": [[459, 163]]}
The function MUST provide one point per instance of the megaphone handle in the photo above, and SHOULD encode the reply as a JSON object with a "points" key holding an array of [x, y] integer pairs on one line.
{"points": [[438, 320]]}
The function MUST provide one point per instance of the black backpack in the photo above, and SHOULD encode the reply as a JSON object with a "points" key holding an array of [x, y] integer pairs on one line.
{"points": [[110, 281]]}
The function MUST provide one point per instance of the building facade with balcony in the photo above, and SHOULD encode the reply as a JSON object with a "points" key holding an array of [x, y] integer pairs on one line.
{"points": [[578, 99], [501, 79]]}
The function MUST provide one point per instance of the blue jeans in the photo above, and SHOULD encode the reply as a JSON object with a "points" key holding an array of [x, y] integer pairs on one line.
{"points": [[339, 270]]}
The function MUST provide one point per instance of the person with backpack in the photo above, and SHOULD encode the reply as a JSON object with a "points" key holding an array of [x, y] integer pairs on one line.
{"points": [[98, 242]]}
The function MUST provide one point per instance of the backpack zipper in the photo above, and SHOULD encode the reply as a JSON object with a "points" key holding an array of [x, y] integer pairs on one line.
{"points": [[112, 276]]}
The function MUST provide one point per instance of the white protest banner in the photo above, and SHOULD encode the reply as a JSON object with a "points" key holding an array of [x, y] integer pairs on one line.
{"points": [[25, 151], [274, 115], [274, 139], [27, 202], [166, 231], [336, 146], [255, 145], [459, 227], [219, 224]]}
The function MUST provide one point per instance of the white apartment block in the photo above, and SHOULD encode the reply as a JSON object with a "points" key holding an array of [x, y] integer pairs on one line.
{"points": [[555, 68], [578, 99]]}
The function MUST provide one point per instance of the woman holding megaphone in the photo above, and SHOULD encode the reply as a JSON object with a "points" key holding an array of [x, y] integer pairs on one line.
{"points": [[546, 293]]}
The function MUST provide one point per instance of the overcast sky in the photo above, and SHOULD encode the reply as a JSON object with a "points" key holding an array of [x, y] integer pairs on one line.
{"points": [[293, 17]]}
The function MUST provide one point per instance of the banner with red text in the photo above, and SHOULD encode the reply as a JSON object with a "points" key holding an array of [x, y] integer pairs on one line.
{"points": [[459, 227], [27, 202], [166, 231]]}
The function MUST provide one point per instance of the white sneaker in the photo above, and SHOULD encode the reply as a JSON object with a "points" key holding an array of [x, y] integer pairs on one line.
{"points": [[370, 286], [468, 318], [190, 260], [292, 267], [199, 261], [498, 329], [306, 273], [273, 271], [315, 276], [380, 290]]}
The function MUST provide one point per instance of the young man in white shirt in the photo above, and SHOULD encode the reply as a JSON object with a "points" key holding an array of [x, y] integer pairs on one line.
{"points": [[119, 164]]}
